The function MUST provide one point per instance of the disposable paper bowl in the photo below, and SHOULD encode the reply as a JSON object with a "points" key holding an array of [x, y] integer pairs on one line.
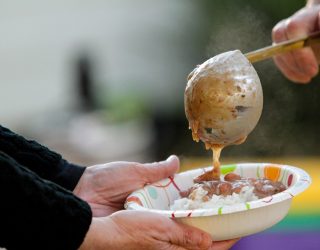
{"points": [[226, 222]]}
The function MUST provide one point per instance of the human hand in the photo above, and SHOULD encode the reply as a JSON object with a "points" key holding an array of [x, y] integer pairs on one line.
{"points": [[106, 186], [146, 230], [300, 65]]}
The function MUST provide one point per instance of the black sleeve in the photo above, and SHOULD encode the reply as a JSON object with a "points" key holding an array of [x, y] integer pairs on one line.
{"points": [[39, 159], [38, 214]]}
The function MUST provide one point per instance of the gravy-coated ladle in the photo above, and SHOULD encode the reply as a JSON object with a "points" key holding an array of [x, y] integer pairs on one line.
{"points": [[223, 97]]}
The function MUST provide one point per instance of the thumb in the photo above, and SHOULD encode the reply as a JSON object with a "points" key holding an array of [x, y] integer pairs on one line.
{"points": [[159, 170]]}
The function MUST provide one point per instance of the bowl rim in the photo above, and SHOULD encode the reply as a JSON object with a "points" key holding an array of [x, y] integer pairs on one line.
{"points": [[303, 181]]}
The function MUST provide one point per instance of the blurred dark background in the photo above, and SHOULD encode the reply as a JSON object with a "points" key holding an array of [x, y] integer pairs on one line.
{"points": [[104, 80]]}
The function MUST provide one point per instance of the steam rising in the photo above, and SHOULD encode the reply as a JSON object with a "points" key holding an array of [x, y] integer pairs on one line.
{"points": [[244, 29]]}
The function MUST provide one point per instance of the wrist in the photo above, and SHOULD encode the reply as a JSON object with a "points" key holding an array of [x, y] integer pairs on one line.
{"points": [[96, 237], [82, 185], [87, 242]]}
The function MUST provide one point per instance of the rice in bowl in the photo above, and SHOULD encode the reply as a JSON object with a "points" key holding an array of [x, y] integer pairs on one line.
{"points": [[245, 195]]}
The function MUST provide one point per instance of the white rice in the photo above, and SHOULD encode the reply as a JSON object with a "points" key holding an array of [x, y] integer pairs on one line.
{"points": [[246, 194]]}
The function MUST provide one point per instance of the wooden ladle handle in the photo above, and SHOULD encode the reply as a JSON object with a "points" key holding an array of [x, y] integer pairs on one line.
{"points": [[312, 40]]}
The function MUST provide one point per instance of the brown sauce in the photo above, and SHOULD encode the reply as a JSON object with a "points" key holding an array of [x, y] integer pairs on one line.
{"points": [[233, 183], [215, 173]]}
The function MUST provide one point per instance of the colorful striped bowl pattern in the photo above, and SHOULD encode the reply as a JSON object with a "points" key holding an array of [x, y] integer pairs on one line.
{"points": [[158, 196]]}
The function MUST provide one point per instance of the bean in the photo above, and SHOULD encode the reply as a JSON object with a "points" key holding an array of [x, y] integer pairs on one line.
{"points": [[225, 188], [232, 177]]}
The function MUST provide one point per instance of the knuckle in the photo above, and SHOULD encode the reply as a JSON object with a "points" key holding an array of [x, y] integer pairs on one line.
{"points": [[276, 34], [198, 240], [139, 169], [293, 27], [187, 237], [278, 31], [144, 172], [206, 241]]}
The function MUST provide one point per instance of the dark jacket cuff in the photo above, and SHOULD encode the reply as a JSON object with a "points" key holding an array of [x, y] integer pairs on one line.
{"points": [[69, 175]]}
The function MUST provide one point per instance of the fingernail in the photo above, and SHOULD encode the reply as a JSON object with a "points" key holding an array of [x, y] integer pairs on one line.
{"points": [[171, 158]]}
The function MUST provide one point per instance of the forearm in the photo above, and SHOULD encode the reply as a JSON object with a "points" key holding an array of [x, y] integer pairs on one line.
{"points": [[37, 214], [39, 159], [312, 2]]}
